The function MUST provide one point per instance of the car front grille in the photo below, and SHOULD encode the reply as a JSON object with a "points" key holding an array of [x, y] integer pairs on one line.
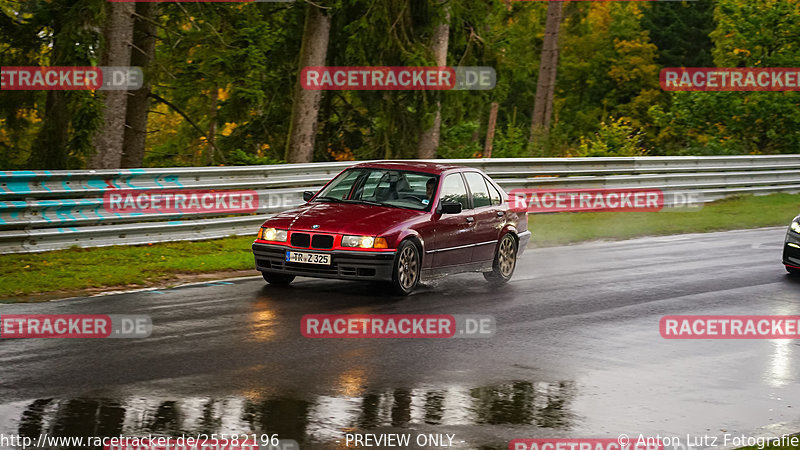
{"points": [[316, 241], [333, 269], [301, 240], [322, 241]]}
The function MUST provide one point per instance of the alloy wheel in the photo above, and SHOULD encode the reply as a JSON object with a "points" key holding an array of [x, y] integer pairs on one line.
{"points": [[507, 256], [407, 269]]}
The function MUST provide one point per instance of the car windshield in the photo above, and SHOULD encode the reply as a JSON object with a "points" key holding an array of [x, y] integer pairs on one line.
{"points": [[384, 187]]}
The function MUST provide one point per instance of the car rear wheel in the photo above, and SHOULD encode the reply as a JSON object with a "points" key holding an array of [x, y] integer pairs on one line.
{"points": [[793, 271], [505, 260], [277, 279], [405, 276]]}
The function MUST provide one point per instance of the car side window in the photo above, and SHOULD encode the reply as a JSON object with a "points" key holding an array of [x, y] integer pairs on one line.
{"points": [[370, 186], [497, 199], [454, 190], [341, 187], [477, 186]]}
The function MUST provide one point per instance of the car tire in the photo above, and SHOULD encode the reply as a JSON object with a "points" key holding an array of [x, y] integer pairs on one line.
{"points": [[407, 268], [277, 279], [505, 260], [793, 271]]}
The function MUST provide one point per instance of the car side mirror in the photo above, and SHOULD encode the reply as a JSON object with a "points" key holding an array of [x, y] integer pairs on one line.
{"points": [[308, 195], [450, 208]]}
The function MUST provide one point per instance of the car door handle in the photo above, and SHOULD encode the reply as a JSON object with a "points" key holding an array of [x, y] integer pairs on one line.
{"points": [[470, 219], [500, 214]]}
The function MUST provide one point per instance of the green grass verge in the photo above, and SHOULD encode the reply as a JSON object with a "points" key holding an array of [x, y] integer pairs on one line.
{"points": [[729, 214], [789, 440], [78, 269]]}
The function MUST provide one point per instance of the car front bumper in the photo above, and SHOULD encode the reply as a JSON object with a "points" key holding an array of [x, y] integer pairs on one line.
{"points": [[791, 254], [345, 265]]}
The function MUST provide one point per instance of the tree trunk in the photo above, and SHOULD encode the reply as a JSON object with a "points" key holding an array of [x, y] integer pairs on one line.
{"points": [[144, 49], [118, 33], [487, 149], [305, 108], [212, 125], [429, 139], [50, 149], [546, 84]]}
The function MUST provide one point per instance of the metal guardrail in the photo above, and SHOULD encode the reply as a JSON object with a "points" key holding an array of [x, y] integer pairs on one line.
{"points": [[48, 210]]}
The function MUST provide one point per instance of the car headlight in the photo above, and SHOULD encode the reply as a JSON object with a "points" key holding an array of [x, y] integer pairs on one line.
{"points": [[364, 242], [795, 227], [273, 234]]}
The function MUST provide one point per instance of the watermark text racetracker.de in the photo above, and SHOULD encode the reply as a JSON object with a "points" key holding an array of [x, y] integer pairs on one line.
{"points": [[217, 441], [621, 443], [576, 200], [424, 326], [180, 201], [730, 79], [75, 326], [388, 78], [70, 78], [730, 327], [206, 1]]}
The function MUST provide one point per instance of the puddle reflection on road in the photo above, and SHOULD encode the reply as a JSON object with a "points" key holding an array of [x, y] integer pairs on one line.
{"points": [[317, 419]]}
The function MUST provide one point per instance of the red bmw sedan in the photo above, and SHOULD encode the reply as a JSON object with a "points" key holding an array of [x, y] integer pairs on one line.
{"points": [[397, 222]]}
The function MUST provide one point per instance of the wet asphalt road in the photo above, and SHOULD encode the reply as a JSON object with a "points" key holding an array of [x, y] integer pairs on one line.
{"points": [[577, 353]]}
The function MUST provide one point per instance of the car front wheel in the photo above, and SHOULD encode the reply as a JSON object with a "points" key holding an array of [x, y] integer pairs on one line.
{"points": [[405, 276], [505, 260], [277, 279]]}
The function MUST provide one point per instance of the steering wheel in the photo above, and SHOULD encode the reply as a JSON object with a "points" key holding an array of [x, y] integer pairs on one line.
{"points": [[412, 196]]}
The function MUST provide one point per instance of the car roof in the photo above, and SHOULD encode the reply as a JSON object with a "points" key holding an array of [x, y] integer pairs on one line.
{"points": [[415, 166]]}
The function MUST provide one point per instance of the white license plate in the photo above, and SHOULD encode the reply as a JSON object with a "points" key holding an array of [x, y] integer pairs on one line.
{"points": [[308, 258]]}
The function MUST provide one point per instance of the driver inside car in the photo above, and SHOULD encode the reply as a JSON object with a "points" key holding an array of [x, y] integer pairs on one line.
{"points": [[429, 188]]}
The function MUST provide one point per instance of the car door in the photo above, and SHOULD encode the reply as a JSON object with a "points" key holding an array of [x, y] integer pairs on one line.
{"points": [[453, 238], [487, 221]]}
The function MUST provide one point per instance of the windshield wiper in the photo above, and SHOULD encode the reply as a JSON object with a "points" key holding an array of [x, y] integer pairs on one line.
{"points": [[368, 202], [326, 198], [375, 203]]}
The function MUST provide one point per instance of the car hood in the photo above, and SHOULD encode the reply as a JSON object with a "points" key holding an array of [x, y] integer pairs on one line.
{"points": [[345, 218]]}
